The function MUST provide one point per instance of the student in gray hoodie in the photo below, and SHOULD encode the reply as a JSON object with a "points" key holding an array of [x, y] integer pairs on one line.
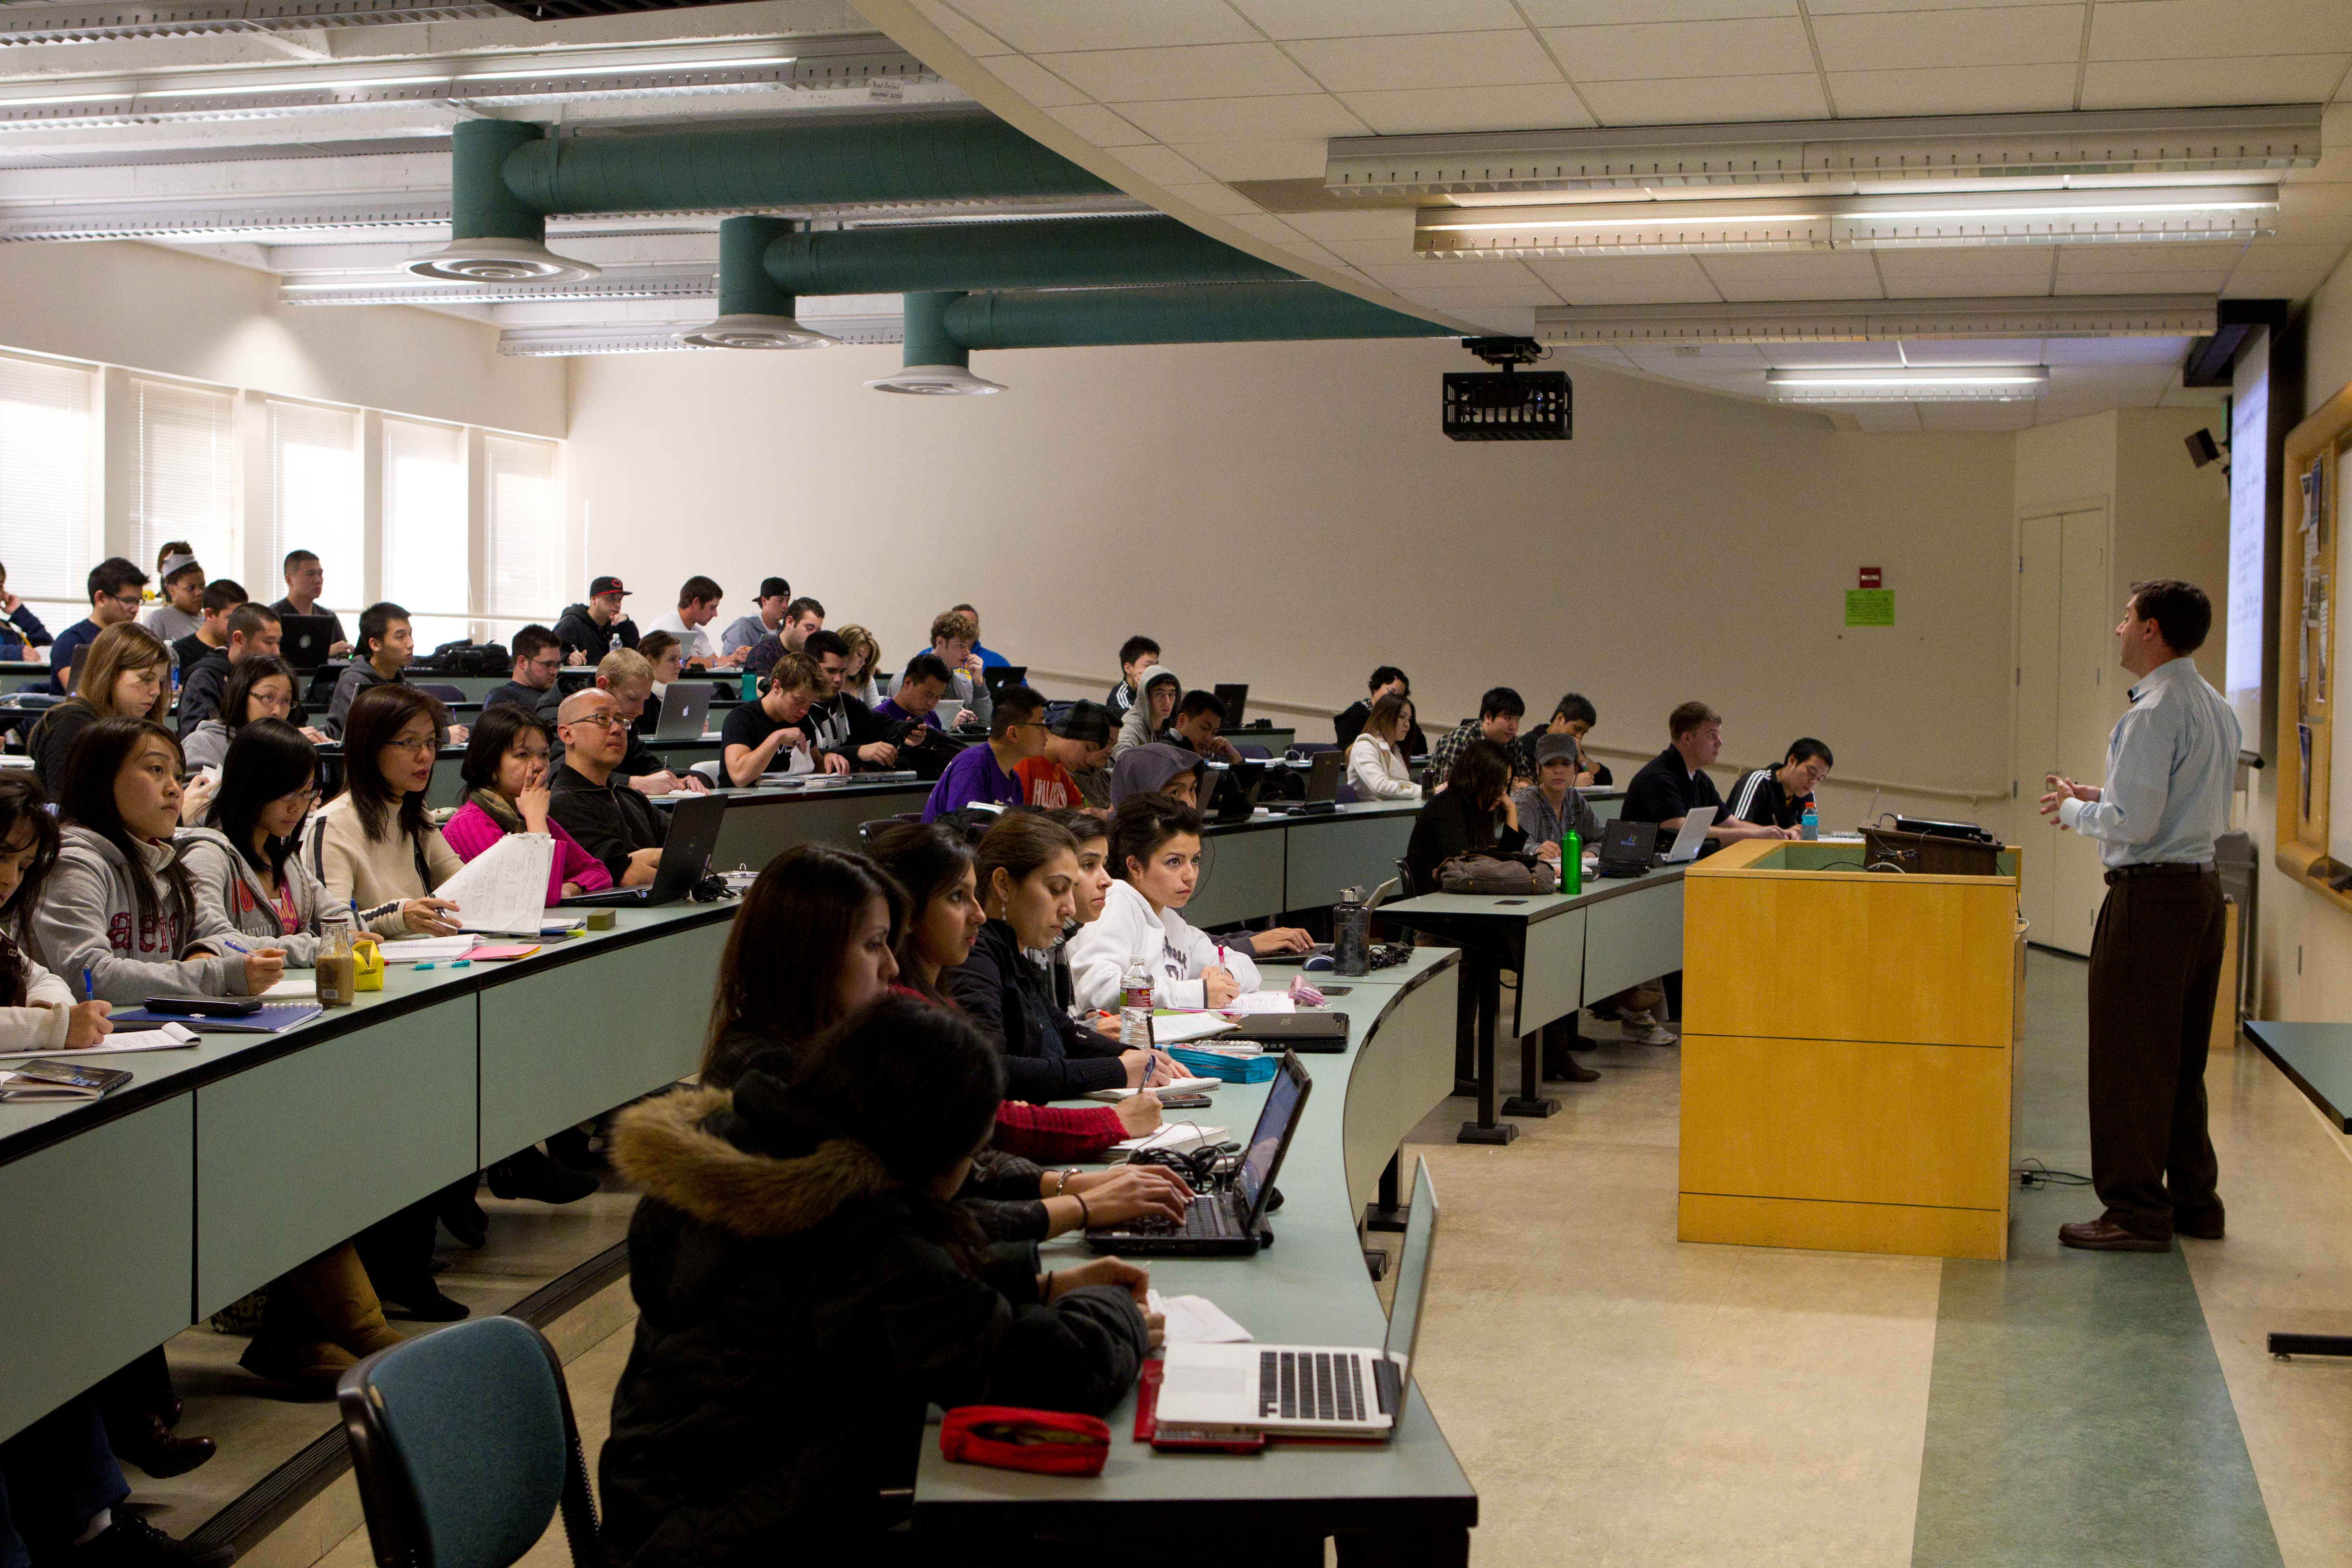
{"points": [[242, 863], [1155, 705], [120, 921]]}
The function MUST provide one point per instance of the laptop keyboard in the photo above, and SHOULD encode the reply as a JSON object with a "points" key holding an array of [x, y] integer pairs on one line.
{"points": [[1311, 1385], [1206, 1216]]}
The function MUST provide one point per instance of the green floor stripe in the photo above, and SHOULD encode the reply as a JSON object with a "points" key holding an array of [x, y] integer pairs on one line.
{"points": [[2076, 1414]]}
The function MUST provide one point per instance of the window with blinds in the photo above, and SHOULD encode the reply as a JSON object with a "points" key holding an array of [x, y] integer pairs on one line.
{"points": [[186, 485], [47, 457], [520, 557], [427, 543], [315, 502]]}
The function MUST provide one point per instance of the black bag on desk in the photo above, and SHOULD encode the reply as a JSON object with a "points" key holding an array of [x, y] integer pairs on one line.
{"points": [[1494, 874]]}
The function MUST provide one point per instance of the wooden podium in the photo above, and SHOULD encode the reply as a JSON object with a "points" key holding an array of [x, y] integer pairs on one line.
{"points": [[1849, 1052]]}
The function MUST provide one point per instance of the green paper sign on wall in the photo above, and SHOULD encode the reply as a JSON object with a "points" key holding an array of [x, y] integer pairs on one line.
{"points": [[1870, 606]]}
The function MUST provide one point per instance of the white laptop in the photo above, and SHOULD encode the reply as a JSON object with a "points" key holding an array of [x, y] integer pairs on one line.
{"points": [[685, 705], [1691, 839], [1322, 1390]]}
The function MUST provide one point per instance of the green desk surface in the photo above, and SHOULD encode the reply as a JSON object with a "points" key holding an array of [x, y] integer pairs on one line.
{"points": [[1310, 1288], [1432, 907], [2317, 1059]]}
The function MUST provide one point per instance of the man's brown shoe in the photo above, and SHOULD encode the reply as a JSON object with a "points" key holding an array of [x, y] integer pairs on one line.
{"points": [[2099, 1236]]}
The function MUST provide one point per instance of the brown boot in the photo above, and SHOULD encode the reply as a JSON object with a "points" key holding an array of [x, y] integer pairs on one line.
{"points": [[337, 1294], [310, 1365]]}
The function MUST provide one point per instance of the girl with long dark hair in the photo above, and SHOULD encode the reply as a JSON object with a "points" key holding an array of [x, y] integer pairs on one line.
{"points": [[1155, 861], [372, 846], [259, 687], [506, 791], [38, 1010], [1473, 815]]}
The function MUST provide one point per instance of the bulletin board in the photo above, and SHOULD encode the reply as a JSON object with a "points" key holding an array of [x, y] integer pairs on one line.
{"points": [[2314, 844]]}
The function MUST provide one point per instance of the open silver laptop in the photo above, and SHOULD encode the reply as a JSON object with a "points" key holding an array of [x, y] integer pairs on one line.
{"points": [[684, 705], [1310, 1390], [1691, 839]]}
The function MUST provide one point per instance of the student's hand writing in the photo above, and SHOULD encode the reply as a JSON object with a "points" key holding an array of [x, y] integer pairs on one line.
{"points": [[1139, 1113], [86, 1024], [1548, 850], [882, 753], [578, 655], [315, 736], [641, 867], [661, 782], [458, 733], [1107, 1024], [690, 782], [532, 804], [1133, 1278], [835, 762], [429, 917], [1139, 1067], [263, 969], [1132, 1191], [1218, 986]]}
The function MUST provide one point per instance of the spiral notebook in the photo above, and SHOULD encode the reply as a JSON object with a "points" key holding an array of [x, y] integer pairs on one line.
{"points": [[273, 1017]]}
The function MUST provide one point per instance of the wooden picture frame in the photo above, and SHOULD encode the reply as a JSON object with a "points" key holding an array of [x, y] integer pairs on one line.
{"points": [[2311, 604]]}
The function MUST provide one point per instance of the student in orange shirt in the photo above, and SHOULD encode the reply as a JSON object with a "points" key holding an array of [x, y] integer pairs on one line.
{"points": [[1075, 769]]}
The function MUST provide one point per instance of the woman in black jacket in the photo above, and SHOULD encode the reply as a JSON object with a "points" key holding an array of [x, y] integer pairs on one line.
{"points": [[1473, 815], [804, 1290], [1028, 870]]}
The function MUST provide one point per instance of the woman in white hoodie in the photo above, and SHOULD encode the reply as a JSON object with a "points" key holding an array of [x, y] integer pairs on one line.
{"points": [[1376, 765], [1155, 854], [38, 1010]]}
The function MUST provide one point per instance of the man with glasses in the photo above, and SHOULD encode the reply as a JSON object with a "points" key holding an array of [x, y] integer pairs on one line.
{"points": [[114, 588], [615, 824], [1776, 797], [252, 630], [538, 656], [984, 774]]}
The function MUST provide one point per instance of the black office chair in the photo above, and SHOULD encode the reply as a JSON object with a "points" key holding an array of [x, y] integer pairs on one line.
{"points": [[441, 688], [464, 1446], [868, 832], [1405, 889]]}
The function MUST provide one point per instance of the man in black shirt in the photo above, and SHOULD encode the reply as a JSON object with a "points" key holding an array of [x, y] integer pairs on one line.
{"points": [[779, 724], [597, 627], [1348, 722], [611, 821], [252, 630], [1776, 797], [842, 725], [538, 657], [211, 636], [1673, 783], [1573, 716]]}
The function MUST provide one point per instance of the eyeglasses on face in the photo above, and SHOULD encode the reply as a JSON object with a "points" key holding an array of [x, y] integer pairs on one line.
{"points": [[602, 721], [424, 744]]}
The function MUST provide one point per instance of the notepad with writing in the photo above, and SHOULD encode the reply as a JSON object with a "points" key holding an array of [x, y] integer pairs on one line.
{"points": [[173, 1036]]}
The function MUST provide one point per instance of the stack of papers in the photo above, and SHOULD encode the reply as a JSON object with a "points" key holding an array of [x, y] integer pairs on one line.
{"points": [[1183, 1029], [1181, 1086], [167, 1038], [1250, 1002], [429, 949], [1196, 1320], [1180, 1137]]}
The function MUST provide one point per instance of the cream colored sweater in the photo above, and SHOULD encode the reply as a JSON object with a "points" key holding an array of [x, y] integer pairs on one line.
{"points": [[375, 873]]}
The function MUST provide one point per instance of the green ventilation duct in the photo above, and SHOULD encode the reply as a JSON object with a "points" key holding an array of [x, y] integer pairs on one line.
{"points": [[493, 237], [1029, 253], [754, 313], [1235, 313], [934, 363]]}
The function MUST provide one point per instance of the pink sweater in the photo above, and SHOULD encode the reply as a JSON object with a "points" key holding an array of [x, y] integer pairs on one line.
{"points": [[472, 831]]}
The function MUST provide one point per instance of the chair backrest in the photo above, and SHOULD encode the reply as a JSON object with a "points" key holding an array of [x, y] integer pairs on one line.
{"points": [[1255, 753], [1405, 888], [868, 832], [441, 688], [713, 770], [463, 1447]]}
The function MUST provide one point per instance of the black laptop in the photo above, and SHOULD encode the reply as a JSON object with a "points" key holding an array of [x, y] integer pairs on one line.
{"points": [[685, 855], [303, 640], [1309, 1031], [997, 676], [1322, 787], [1230, 1222], [1627, 847], [1235, 697], [1232, 791]]}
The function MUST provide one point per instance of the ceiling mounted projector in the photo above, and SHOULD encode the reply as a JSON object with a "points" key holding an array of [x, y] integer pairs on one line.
{"points": [[937, 381], [500, 261], [746, 331]]}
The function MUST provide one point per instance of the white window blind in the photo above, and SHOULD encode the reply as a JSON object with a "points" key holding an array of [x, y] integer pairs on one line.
{"points": [[427, 559], [314, 498], [520, 557], [188, 474], [46, 461]]}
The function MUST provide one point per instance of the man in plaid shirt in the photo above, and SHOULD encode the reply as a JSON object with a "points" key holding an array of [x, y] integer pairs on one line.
{"points": [[1499, 712]]}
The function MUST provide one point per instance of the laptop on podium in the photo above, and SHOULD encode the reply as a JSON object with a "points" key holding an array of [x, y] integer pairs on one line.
{"points": [[1312, 1391]]}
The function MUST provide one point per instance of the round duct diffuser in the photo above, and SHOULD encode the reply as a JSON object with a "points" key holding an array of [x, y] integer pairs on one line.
{"points": [[500, 261], [937, 381], [755, 331]]}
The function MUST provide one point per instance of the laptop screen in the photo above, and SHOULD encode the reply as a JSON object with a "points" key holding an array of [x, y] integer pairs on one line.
{"points": [[1272, 1133], [1413, 1266]]}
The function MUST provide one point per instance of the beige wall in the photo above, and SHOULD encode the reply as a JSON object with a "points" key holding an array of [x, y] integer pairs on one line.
{"points": [[1290, 515], [164, 310]]}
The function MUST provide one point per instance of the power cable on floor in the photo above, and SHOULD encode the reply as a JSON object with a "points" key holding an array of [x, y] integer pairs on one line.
{"points": [[2034, 1175]]}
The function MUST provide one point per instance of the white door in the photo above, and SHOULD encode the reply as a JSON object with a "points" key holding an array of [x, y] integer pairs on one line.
{"points": [[2067, 696]]}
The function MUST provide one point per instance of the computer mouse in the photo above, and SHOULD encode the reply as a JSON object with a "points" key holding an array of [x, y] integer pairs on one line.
{"points": [[1320, 962]]}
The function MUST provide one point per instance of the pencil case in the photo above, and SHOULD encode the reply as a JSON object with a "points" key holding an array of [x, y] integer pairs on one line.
{"points": [[1233, 1070], [1043, 1442], [367, 966]]}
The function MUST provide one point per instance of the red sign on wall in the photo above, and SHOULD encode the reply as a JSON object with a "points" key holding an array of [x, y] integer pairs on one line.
{"points": [[1869, 577]]}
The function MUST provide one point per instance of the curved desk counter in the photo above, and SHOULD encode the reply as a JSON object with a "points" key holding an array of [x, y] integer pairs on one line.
{"points": [[1310, 1288]]}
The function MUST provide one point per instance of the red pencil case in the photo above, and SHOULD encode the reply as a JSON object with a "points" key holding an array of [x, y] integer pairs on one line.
{"points": [[1044, 1442]]}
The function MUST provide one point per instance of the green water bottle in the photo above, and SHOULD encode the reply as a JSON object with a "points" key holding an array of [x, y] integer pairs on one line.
{"points": [[1571, 863]]}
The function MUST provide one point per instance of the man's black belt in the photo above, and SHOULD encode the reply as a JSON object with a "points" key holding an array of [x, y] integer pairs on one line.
{"points": [[2162, 868]]}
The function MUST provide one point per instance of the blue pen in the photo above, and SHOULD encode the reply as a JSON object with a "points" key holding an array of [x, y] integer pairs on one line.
{"points": [[88, 983]]}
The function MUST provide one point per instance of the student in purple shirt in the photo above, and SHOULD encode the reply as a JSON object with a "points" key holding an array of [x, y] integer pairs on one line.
{"points": [[1016, 733]]}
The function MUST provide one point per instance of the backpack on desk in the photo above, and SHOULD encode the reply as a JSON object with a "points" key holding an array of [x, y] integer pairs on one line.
{"points": [[1493, 874]]}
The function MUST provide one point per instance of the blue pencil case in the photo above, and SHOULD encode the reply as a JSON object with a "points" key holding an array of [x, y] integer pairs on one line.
{"points": [[1233, 1070]]}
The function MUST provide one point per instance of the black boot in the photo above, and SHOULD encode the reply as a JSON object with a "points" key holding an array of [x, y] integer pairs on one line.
{"points": [[398, 1253], [532, 1175]]}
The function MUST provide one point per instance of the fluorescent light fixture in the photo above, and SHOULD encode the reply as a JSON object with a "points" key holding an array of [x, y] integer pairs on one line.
{"points": [[451, 83], [1878, 320], [2177, 214], [649, 67], [1938, 148], [1919, 384]]}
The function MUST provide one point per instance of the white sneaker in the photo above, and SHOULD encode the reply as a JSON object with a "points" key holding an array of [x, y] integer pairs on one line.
{"points": [[1643, 1028]]}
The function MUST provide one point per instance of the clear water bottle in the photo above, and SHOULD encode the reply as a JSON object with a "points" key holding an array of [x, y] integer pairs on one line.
{"points": [[1135, 1008], [1810, 827]]}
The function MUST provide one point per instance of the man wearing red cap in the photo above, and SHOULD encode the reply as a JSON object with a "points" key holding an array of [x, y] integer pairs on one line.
{"points": [[590, 631]]}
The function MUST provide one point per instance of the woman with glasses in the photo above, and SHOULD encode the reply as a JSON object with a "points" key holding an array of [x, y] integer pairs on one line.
{"points": [[371, 845], [506, 791], [127, 675], [323, 1316], [259, 687]]}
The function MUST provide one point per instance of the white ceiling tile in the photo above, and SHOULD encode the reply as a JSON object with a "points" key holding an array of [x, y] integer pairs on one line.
{"points": [[2313, 215], [1964, 261], [2012, 285], [1912, 40], [1847, 7], [1626, 279], [1595, 13], [1989, 351], [2278, 256], [1274, 158], [1700, 100], [1206, 70], [1700, 359], [1265, 226], [1162, 167], [1311, 251], [1832, 356], [969, 37], [1293, 117], [1380, 252], [1884, 418], [2138, 282], [1644, 51], [1034, 82], [2248, 285], [2115, 351], [2190, 29], [2215, 259], [1538, 106], [1957, 90], [1218, 200], [1391, 225], [1939, 418], [1528, 293], [1037, 27], [1795, 267], [1099, 125], [1424, 59], [1449, 274], [2183, 83], [1365, 19]]}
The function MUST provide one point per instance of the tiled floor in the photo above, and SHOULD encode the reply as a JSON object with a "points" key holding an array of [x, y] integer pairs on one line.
{"points": [[1620, 1397]]}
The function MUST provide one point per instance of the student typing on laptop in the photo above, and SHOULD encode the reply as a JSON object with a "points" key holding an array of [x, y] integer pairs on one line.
{"points": [[1673, 782], [615, 824], [305, 581], [774, 734], [848, 734]]}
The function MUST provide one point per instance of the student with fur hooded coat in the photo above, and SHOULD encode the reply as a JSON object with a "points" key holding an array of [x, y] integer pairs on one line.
{"points": [[805, 1289]]}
